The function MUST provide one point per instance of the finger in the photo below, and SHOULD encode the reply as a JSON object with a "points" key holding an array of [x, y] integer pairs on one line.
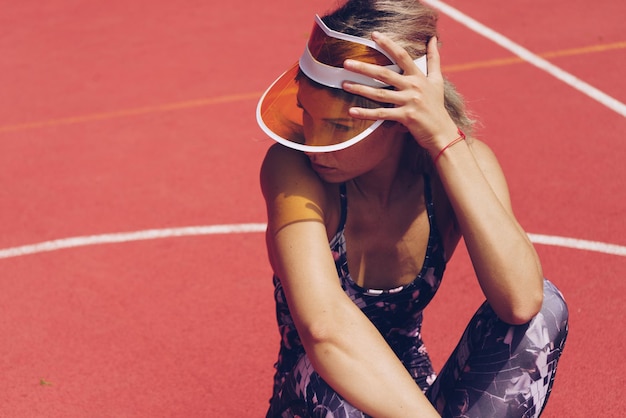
{"points": [[374, 71], [374, 93], [399, 54], [434, 60], [384, 113]]}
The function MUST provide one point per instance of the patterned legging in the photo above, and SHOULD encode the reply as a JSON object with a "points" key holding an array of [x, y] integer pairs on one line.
{"points": [[500, 370], [496, 370]]}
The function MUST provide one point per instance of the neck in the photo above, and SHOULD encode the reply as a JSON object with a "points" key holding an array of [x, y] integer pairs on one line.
{"points": [[389, 181]]}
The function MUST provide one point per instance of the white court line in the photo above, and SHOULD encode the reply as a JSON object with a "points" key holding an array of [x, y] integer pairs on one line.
{"points": [[531, 58], [150, 234], [579, 244], [120, 237]]}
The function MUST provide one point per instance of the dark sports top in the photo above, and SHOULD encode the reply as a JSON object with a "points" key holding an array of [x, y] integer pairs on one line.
{"points": [[396, 313]]}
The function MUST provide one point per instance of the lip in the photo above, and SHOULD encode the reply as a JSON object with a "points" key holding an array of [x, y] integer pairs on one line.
{"points": [[319, 168]]}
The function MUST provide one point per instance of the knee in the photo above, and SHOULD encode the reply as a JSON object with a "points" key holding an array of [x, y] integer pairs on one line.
{"points": [[554, 302], [553, 318]]}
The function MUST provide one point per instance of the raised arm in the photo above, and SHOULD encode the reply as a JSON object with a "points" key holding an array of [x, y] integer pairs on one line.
{"points": [[344, 347], [504, 259]]}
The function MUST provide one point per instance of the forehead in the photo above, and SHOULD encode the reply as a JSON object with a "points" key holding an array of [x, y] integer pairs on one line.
{"points": [[311, 96]]}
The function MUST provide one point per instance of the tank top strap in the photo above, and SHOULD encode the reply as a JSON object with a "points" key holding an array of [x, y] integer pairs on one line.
{"points": [[430, 205], [428, 193], [343, 201]]}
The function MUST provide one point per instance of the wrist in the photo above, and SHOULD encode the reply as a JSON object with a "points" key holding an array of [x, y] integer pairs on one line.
{"points": [[450, 141], [439, 139]]}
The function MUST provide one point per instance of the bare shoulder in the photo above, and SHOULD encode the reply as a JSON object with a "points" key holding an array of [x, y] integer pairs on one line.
{"points": [[282, 166], [292, 191]]}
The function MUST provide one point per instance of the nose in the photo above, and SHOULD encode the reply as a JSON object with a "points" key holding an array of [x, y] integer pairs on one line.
{"points": [[315, 138], [317, 133], [317, 157], [313, 156]]}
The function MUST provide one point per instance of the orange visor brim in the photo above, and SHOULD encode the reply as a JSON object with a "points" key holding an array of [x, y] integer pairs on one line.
{"points": [[318, 121], [280, 116]]}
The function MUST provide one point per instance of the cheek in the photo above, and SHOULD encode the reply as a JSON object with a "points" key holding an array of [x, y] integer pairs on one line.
{"points": [[352, 159]]}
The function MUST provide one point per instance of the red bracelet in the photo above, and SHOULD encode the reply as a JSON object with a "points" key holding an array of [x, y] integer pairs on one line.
{"points": [[460, 138]]}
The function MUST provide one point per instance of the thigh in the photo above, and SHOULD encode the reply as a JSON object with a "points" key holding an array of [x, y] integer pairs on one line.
{"points": [[502, 370]]}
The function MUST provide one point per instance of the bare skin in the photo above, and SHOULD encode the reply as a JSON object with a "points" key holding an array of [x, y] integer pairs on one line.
{"points": [[387, 230]]}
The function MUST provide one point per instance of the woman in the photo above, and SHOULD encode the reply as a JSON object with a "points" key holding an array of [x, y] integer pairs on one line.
{"points": [[374, 181]]}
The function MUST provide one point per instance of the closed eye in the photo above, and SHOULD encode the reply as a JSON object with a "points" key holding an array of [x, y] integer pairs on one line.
{"points": [[340, 126]]}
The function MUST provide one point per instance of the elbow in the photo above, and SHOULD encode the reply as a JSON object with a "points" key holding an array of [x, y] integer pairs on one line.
{"points": [[324, 333], [519, 317], [323, 327], [522, 311], [318, 333], [329, 324]]}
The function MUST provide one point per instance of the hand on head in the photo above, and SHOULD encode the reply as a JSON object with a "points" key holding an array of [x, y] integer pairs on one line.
{"points": [[418, 99]]}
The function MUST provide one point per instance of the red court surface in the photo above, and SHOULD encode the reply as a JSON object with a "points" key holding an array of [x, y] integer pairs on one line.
{"points": [[121, 117]]}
